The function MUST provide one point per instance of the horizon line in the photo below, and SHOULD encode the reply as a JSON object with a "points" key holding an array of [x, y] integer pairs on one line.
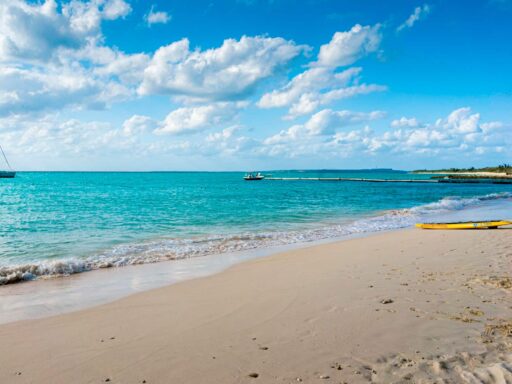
{"points": [[218, 171]]}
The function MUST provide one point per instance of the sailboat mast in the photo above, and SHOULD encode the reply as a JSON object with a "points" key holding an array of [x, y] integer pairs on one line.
{"points": [[5, 158]]}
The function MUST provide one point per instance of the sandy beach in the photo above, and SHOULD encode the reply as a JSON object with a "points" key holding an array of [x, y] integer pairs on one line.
{"points": [[406, 306]]}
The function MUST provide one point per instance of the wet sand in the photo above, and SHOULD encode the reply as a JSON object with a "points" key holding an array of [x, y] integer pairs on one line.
{"points": [[408, 306]]}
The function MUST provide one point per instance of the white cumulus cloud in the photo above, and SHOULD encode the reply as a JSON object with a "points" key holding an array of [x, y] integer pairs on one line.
{"points": [[229, 72], [31, 31], [37, 89], [157, 17], [316, 87], [127, 68], [227, 142], [197, 118], [115, 9], [462, 121], [325, 122], [52, 56], [405, 122], [461, 133], [138, 124], [323, 82], [311, 80], [345, 48]]}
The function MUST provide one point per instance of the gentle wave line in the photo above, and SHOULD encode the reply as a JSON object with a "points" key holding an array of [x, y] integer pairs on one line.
{"points": [[173, 249]]}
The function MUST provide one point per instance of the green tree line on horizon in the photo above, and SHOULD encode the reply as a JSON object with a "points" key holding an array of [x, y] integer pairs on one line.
{"points": [[503, 168]]}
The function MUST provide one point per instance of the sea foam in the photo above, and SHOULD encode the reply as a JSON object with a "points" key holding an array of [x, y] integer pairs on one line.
{"points": [[173, 249]]}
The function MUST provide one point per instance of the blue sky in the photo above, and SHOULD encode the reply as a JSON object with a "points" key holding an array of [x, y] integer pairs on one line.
{"points": [[253, 84]]}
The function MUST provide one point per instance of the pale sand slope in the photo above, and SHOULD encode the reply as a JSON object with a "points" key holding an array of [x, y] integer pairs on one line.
{"points": [[296, 316]]}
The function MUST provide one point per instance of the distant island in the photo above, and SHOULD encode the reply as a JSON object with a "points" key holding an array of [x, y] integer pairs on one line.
{"points": [[500, 171]]}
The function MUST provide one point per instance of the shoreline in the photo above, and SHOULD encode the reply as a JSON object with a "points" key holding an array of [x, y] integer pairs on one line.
{"points": [[478, 174], [409, 303], [62, 294], [163, 249], [26, 300]]}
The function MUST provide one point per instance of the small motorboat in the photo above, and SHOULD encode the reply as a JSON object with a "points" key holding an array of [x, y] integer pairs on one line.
{"points": [[253, 176], [492, 224]]}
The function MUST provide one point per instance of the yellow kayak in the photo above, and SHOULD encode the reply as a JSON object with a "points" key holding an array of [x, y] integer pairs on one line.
{"points": [[465, 225]]}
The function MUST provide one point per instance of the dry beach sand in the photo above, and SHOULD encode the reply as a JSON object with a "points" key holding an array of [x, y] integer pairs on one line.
{"points": [[404, 307]]}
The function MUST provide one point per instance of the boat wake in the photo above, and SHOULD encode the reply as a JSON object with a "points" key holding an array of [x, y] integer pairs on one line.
{"points": [[173, 249]]}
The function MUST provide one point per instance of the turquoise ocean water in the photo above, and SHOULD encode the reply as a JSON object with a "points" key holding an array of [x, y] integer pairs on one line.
{"points": [[62, 223]]}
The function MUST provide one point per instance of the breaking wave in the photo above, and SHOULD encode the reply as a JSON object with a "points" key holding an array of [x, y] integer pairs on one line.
{"points": [[173, 249]]}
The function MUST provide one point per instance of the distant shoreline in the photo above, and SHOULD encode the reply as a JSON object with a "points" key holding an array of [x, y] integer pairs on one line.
{"points": [[469, 175], [501, 171]]}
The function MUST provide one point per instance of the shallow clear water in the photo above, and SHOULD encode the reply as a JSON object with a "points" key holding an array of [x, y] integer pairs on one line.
{"points": [[60, 223]]}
